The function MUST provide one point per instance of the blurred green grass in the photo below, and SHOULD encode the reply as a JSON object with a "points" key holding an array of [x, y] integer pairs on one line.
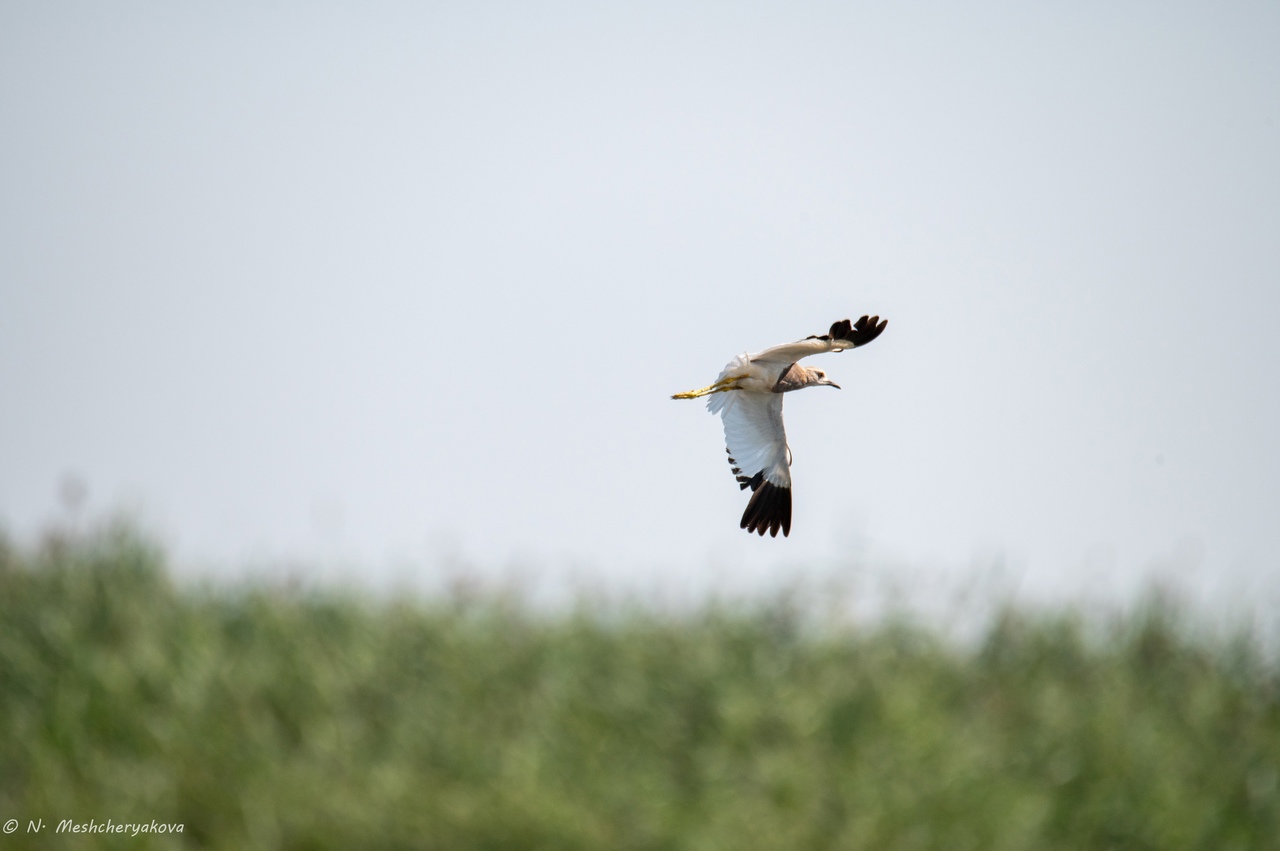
{"points": [[265, 718]]}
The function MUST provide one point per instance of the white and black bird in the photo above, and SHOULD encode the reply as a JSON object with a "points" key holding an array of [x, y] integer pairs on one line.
{"points": [[748, 395]]}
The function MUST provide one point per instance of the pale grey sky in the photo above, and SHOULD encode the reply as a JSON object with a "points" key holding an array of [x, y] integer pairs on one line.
{"points": [[371, 283]]}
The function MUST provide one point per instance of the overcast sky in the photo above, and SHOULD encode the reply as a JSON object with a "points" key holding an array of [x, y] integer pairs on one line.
{"points": [[372, 284]]}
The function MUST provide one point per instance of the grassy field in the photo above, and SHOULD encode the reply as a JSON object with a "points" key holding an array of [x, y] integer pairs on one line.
{"points": [[264, 718]]}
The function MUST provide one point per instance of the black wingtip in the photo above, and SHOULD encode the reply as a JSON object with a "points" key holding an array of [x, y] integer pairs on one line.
{"points": [[769, 509], [861, 332]]}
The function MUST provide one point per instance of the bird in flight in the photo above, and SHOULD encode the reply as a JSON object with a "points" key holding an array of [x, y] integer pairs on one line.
{"points": [[748, 396]]}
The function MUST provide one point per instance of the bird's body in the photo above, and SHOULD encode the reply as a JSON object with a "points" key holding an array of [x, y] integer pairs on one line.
{"points": [[748, 396]]}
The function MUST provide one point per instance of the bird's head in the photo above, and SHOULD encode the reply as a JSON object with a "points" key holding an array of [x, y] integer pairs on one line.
{"points": [[819, 378]]}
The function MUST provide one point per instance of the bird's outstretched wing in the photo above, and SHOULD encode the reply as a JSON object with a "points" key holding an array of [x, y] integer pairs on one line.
{"points": [[843, 335], [758, 455]]}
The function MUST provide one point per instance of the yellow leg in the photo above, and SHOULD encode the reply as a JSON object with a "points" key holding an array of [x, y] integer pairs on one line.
{"points": [[719, 387]]}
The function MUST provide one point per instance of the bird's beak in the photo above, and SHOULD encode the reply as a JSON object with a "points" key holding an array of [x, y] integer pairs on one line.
{"points": [[831, 384]]}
